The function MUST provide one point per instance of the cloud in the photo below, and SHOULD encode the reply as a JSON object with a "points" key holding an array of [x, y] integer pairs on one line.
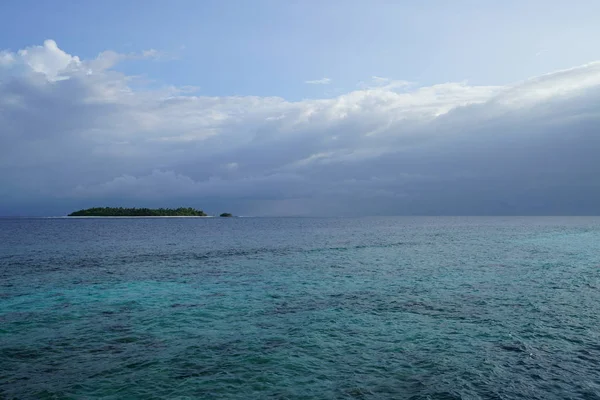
{"points": [[380, 82], [48, 60], [108, 59], [55, 64], [322, 81], [6, 58], [77, 133]]}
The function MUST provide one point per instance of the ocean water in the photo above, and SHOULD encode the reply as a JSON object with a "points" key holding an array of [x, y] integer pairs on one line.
{"points": [[295, 308]]}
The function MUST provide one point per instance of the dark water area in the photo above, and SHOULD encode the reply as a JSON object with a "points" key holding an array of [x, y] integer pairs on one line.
{"points": [[298, 308]]}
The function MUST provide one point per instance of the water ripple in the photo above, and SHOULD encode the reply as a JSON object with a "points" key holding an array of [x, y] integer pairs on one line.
{"points": [[294, 309]]}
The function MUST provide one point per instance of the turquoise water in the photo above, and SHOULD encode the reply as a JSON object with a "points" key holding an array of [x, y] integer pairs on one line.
{"points": [[252, 308]]}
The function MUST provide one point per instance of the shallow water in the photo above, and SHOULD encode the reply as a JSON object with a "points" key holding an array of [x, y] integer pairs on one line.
{"points": [[351, 308]]}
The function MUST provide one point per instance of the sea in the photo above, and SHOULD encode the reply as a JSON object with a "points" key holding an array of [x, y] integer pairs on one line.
{"points": [[300, 308]]}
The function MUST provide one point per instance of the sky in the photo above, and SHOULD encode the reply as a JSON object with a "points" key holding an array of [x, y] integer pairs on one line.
{"points": [[301, 108]]}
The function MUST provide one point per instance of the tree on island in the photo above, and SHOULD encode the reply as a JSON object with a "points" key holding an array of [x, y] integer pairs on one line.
{"points": [[138, 212]]}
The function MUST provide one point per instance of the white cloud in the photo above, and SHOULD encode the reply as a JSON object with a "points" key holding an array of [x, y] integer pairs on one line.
{"points": [[322, 81], [380, 79], [108, 59], [557, 84], [6, 58], [48, 60], [380, 82], [152, 53], [75, 130]]}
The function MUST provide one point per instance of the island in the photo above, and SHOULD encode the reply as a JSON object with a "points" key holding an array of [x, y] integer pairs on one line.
{"points": [[138, 212], [226, 215]]}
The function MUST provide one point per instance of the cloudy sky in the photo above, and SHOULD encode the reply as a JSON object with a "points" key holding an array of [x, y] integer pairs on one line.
{"points": [[301, 107]]}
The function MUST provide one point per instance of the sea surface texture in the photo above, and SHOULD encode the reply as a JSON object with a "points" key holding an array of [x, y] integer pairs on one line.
{"points": [[295, 308]]}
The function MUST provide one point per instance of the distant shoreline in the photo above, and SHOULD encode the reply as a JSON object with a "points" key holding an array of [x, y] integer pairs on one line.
{"points": [[139, 212], [134, 216]]}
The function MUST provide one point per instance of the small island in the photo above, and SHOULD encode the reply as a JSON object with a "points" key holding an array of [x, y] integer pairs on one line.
{"points": [[138, 212], [226, 215]]}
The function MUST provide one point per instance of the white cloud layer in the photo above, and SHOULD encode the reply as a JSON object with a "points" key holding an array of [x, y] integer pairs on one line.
{"points": [[322, 81], [75, 133]]}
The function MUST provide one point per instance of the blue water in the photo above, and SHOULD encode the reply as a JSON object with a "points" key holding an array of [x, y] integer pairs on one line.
{"points": [[253, 308]]}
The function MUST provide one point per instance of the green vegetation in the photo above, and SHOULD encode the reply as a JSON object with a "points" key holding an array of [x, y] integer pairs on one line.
{"points": [[138, 212], [226, 215]]}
